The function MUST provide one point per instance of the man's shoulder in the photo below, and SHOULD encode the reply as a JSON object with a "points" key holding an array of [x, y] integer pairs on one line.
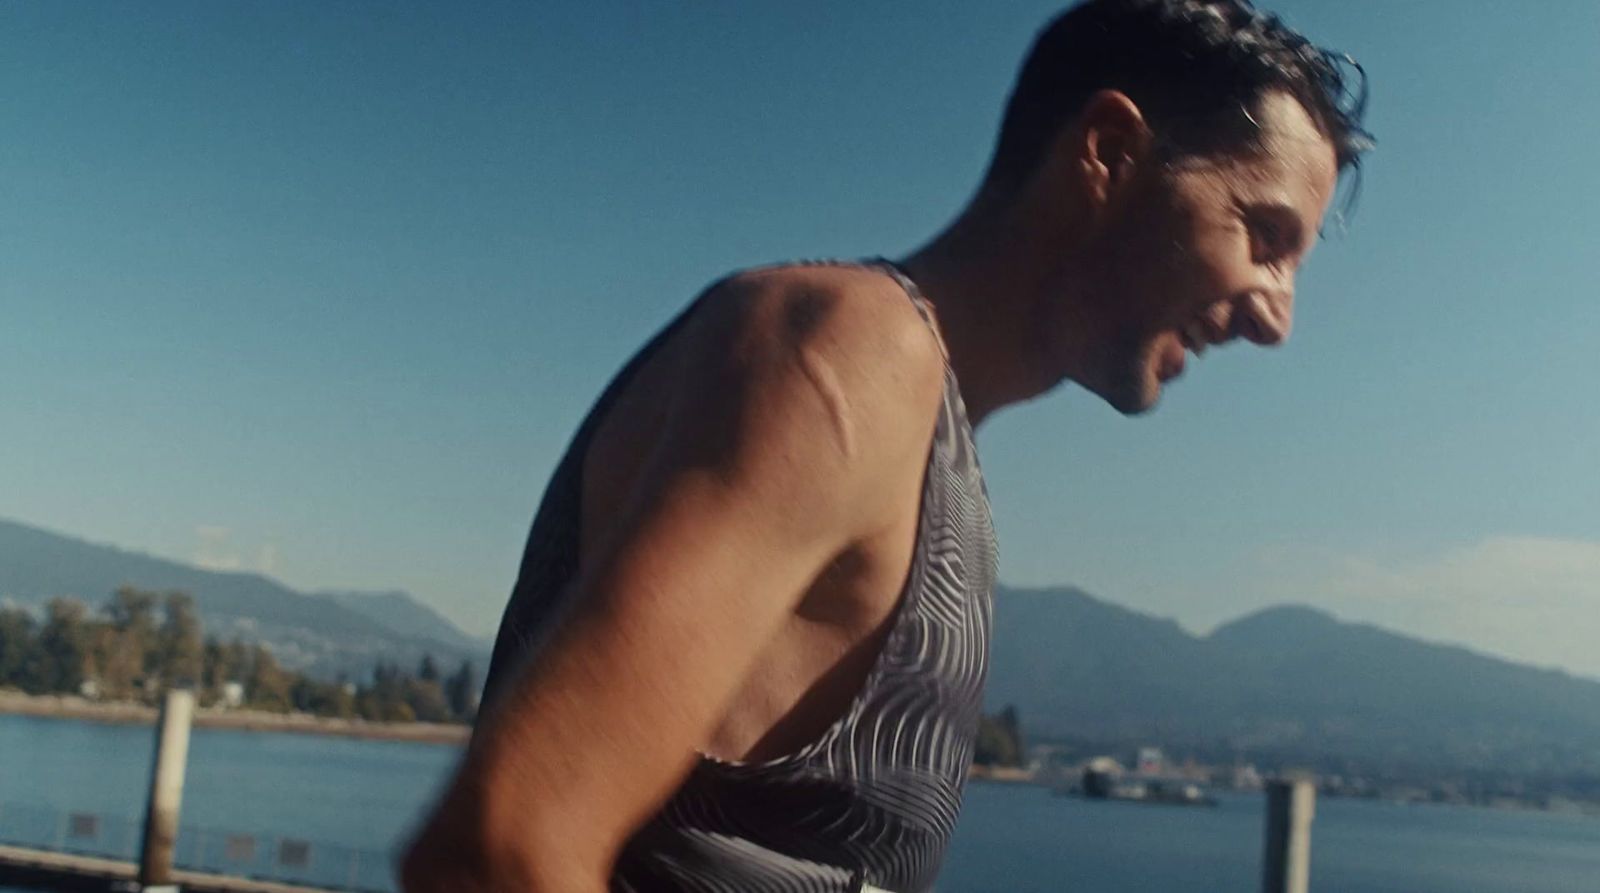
{"points": [[857, 320]]}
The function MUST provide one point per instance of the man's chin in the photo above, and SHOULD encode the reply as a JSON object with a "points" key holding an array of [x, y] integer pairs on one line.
{"points": [[1132, 389], [1141, 407], [1133, 398]]}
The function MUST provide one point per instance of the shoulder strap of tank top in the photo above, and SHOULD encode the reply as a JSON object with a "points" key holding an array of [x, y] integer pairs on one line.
{"points": [[917, 300]]}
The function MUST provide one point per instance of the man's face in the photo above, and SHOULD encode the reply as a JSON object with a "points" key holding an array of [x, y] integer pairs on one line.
{"points": [[1204, 252]]}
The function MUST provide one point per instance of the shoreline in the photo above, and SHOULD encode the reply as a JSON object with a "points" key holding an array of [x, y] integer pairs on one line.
{"points": [[71, 707]]}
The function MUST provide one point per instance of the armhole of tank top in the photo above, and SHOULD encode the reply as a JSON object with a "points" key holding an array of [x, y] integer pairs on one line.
{"points": [[595, 418], [906, 600]]}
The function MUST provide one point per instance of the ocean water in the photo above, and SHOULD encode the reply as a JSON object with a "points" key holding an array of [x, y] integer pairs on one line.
{"points": [[1024, 840], [355, 800]]}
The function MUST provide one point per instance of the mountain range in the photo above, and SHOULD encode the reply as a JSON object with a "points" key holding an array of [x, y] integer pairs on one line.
{"points": [[324, 633], [1286, 682]]}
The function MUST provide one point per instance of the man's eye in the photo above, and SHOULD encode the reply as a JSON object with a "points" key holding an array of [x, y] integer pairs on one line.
{"points": [[1270, 234], [1270, 239]]}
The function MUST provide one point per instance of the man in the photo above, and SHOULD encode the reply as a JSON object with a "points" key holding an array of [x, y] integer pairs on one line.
{"points": [[747, 646]]}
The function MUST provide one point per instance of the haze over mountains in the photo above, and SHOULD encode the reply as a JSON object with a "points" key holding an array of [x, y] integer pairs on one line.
{"points": [[1291, 682]]}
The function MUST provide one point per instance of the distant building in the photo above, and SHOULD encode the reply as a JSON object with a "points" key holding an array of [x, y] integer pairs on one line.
{"points": [[1151, 761], [1103, 779], [232, 694], [1100, 776], [1246, 778]]}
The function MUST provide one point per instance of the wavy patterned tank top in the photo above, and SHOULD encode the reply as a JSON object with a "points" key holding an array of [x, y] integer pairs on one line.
{"points": [[870, 804]]}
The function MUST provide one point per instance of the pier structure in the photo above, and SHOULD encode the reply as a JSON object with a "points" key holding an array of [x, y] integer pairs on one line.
{"points": [[83, 852]]}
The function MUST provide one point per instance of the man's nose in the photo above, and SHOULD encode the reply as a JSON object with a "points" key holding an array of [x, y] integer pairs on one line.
{"points": [[1265, 317]]}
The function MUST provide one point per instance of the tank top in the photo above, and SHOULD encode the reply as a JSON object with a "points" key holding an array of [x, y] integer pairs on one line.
{"points": [[872, 802]]}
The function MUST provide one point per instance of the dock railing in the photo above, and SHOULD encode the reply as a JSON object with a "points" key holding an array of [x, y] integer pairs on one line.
{"points": [[268, 857]]}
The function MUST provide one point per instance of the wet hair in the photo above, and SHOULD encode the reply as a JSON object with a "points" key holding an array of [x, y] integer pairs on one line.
{"points": [[1195, 68]]}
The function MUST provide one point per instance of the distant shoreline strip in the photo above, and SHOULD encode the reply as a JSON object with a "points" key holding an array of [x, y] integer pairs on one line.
{"points": [[122, 713]]}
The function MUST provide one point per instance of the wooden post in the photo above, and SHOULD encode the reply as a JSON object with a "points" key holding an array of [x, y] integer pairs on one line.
{"points": [[166, 790], [1291, 805]]}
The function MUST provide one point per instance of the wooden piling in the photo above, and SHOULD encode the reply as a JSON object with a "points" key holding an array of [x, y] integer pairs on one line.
{"points": [[166, 789], [1286, 863]]}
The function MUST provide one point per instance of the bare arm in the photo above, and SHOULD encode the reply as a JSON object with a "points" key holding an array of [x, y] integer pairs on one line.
{"points": [[797, 410]]}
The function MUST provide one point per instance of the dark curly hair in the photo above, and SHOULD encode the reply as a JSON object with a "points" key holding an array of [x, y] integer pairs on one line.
{"points": [[1195, 67]]}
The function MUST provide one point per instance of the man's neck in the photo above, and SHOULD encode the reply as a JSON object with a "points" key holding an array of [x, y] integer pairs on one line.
{"points": [[984, 278]]}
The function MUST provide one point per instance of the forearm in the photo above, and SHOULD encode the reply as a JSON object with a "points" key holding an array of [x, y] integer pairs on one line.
{"points": [[574, 755]]}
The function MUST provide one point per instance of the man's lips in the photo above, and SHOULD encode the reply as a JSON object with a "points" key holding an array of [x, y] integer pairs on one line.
{"points": [[1197, 335], [1172, 360]]}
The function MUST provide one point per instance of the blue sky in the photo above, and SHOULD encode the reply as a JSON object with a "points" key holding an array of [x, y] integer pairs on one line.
{"points": [[322, 290]]}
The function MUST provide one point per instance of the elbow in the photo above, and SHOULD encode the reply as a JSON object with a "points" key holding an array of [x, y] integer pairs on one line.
{"points": [[419, 871], [432, 864], [457, 855]]}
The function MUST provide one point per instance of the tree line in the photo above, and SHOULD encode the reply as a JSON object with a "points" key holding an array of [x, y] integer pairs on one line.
{"points": [[999, 739], [140, 643]]}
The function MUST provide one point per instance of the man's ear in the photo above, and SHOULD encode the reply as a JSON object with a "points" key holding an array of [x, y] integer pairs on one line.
{"points": [[1109, 143]]}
